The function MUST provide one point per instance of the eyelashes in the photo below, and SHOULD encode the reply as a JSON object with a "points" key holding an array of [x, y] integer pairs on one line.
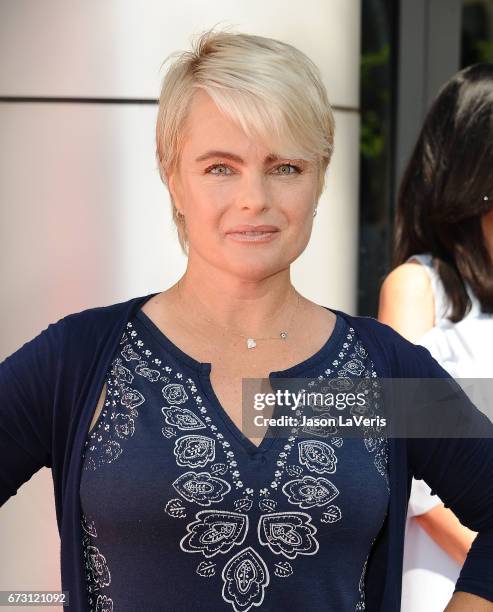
{"points": [[298, 169]]}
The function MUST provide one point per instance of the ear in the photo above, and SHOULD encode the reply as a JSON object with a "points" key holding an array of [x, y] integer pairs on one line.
{"points": [[173, 181], [171, 184]]}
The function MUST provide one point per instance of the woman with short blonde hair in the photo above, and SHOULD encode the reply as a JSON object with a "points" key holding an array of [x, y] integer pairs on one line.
{"points": [[175, 493], [240, 72]]}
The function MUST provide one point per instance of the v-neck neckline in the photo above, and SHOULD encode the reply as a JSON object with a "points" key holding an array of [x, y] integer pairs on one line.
{"points": [[270, 440]]}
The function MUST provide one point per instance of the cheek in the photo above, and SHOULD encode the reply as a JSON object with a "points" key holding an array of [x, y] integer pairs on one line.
{"points": [[203, 218], [297, 196], [298, 210], [203, 203]]}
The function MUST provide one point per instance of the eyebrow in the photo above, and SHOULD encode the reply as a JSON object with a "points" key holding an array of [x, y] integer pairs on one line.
{"points": [[233, 157]]}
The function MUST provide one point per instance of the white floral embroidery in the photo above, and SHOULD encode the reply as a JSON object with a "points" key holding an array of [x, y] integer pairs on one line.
{"points": [[96, 569], [217, 532], [288, 533], [309, 492], [245, 577], [317, 456], [194, 451], [182, 418], [202, 488]]}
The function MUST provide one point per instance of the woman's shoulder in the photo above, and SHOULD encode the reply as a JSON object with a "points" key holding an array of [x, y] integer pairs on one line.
{"points": [[376, 330], [410, 282], [397, 356], [416, 274], [103, 315], [412, 296], [84, 332]]}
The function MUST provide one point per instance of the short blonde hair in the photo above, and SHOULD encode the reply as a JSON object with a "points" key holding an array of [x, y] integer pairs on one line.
{"points": [[268, 87]]}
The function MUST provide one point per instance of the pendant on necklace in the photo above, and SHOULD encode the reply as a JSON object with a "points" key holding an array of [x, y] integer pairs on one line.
{"points": [[284, 335], [251, 343]]}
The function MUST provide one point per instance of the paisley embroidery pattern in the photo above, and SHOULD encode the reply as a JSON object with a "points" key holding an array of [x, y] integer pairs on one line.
{"points": [[283, 569], [331, 514], [203, 489], [245, 577], [289, 534], [194, 451], [215, 532], [96, 569], [103, 442], [142, 369], [123, 374], [182, 418], [304, 480], [175, 508], [308, 492], [317, 456], [206, 569], [340, 372], [175, 393]]}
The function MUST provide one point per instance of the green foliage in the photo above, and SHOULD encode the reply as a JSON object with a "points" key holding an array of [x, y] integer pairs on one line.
{"points": [[484, 50], [376, 98]]}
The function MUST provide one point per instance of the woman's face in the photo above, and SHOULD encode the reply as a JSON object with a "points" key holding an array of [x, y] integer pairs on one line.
{"points": [[225, 180]]}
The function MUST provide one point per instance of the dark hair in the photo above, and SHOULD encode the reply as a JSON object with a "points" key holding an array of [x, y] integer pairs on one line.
{"points": [[442, 193]]}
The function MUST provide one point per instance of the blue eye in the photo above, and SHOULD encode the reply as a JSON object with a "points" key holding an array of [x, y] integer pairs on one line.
{"points": [[214, 167], [296, 168], [209, 170]]}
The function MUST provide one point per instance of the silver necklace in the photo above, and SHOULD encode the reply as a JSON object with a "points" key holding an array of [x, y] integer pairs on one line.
{"points": [[250, 342]]}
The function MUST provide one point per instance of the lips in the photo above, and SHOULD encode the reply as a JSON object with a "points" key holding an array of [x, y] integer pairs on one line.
{"points": [[253, 229], [239, 229], [253, 236]]}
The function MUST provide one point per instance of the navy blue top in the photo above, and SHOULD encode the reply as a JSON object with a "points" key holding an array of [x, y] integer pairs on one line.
{"points": [[50, 386], [179, 506]]}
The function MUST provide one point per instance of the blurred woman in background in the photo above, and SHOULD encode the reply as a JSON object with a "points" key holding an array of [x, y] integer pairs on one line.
{"points": [[440, 294]]}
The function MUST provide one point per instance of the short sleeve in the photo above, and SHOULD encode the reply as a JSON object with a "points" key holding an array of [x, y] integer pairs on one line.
{"points": [[28, 381], [421, 499]]}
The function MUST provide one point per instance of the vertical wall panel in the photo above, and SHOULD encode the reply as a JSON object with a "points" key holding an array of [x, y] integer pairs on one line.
{"points": [[84, 218]]}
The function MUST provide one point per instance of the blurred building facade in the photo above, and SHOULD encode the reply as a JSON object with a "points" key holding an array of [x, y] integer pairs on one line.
{"points": [[85, 220], [409, 49]]}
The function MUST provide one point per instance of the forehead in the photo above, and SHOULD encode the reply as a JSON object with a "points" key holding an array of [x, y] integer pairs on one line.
{"points": [[207, 127]]}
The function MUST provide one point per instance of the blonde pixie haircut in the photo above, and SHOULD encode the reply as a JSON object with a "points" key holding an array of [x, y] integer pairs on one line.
{"points": [[268, 87]]}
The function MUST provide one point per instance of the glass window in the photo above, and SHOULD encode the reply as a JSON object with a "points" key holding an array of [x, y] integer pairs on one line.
{"points": [[377, 95], [477, 32]]}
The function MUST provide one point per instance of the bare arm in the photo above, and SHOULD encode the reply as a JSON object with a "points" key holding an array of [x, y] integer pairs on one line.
{"points": [[467, 602], [406, 301], [447, 531]]}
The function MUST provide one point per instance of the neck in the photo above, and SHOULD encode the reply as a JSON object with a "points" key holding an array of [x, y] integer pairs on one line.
{"points": [[246, 304]]}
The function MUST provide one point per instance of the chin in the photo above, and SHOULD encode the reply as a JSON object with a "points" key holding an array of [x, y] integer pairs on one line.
{"points": [[255, 269]]}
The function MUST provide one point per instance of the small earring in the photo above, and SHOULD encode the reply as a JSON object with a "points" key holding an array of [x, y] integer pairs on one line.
{"points": [[315, 212]]}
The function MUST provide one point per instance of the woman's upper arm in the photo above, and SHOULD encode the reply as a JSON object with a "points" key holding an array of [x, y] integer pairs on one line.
{"points": [[447, 531], [460, 471], [406, 301], [27, 394]]}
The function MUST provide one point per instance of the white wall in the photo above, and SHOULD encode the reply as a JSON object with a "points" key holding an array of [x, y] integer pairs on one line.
{"points": [[84, 218]]}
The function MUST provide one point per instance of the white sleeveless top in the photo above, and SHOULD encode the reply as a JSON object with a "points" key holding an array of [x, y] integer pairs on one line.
{"points": [[460, 347], [463, 349]]}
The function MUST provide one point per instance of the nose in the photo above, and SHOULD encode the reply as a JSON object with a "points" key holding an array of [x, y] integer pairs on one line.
{"points": [[254, 194]]}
